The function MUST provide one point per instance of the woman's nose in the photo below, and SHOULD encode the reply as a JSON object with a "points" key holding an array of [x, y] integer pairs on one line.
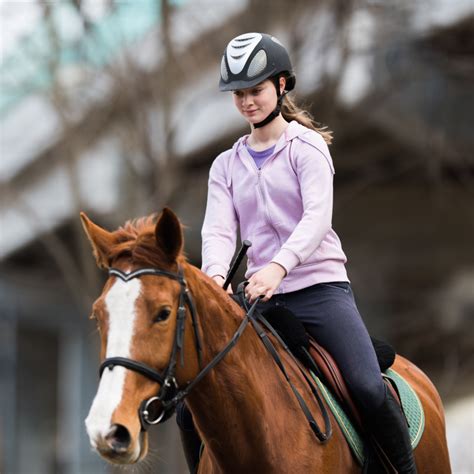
{"points": [[246, 100]]}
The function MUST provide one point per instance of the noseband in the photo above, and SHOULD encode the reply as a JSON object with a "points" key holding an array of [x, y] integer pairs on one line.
{"points": [[169, 394]]}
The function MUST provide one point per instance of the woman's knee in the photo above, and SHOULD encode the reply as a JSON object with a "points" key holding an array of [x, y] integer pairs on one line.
{"points": [[369, 393]]}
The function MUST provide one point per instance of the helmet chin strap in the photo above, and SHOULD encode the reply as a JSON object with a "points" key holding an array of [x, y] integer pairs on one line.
{"points": [[276, 111]]}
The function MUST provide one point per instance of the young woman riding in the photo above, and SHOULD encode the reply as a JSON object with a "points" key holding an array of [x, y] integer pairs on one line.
{"points": [[276, 185]]}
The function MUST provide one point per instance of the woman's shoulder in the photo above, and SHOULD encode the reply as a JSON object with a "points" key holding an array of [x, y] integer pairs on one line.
{"points": [[223, 164], [308, 142], [223, 156], [226, 156], [311, 137]]}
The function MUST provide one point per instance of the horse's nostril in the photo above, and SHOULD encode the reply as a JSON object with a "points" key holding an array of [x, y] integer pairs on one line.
{"points": [[118, 438]]}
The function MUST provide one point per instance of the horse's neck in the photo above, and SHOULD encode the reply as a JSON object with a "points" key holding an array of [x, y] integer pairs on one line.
{"points": [[232, 402], [219, 319]]}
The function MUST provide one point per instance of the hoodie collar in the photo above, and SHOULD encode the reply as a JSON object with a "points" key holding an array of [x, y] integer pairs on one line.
{"points": [[293, 130]]}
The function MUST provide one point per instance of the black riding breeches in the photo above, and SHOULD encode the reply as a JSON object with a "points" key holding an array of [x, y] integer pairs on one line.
{"points": [[330, 315]]}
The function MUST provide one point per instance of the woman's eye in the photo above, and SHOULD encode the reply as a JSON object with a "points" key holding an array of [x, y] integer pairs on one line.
{"points": [[162, 315]]}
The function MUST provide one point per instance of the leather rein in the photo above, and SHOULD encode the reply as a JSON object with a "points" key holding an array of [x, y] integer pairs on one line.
{"points": [[170, 394]]}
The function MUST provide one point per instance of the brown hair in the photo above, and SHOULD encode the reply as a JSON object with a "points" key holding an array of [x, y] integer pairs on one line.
{"points": [[290, 111]]}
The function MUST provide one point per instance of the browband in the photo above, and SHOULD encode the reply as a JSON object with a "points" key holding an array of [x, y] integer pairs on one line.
{"points": [[145, 271]]}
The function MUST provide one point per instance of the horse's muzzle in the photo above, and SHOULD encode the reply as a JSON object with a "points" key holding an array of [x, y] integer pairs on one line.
{"points": [[116, 446]]}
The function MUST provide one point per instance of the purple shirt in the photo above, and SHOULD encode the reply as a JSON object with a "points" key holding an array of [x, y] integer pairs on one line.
{"points": [[260, 156]]}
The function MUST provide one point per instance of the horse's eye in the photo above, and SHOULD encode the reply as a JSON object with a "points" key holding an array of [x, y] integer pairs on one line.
{"points": [[162, 315]]}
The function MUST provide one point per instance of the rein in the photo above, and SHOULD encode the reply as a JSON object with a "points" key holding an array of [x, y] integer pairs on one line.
{"points": [[322, 436], [170, 394]]}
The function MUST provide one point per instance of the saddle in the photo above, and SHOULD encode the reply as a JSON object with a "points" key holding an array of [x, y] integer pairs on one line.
{"points": [[320, 361]]}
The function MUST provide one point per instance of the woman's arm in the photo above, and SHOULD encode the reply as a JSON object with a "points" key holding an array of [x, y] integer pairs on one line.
{"points": [[315, 175], [219, 230]]}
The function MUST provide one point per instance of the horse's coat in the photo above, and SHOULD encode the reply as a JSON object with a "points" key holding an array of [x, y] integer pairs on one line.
{"points": [[243, 408]]}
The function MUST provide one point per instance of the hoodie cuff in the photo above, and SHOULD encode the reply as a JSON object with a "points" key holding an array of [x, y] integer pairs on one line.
{"points": [[287, 259], [215, 269]]}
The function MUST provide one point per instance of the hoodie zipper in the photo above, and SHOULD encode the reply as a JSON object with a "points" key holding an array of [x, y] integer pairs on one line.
{"points": [[262, 194]]}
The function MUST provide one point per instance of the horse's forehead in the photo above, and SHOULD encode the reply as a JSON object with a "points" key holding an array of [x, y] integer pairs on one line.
{"points": [[122, 295], [156, 285], [151, 287]]}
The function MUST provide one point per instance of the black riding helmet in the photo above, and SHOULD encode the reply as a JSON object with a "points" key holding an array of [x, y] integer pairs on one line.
{"points": [[250, 59]]}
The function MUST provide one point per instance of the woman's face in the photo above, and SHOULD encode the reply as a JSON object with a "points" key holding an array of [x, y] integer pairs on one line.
{"points": [[256, 103]]}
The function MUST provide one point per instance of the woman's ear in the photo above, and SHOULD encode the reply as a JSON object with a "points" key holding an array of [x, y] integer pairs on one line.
{"points": [[282, 83]]}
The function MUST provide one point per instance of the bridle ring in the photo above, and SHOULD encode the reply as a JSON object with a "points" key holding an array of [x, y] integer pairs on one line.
{"points": [[146, 414]]}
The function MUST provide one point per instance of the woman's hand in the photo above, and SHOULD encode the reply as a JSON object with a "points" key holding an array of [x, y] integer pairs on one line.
{"points": [[220, 280], [265, 282]]}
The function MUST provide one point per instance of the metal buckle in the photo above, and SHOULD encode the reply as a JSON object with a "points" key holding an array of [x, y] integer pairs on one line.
{"points": [[170, 381]]}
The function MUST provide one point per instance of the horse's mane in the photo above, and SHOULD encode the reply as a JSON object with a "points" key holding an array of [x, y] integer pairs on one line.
{"points": [[136, 241]]}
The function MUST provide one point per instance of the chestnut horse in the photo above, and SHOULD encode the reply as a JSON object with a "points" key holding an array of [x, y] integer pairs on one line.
{"points": [[243, 408]]}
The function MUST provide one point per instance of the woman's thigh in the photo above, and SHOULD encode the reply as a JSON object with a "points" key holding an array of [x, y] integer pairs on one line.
{"points": [[329, 313]]}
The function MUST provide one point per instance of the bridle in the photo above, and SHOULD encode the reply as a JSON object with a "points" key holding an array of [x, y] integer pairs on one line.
{"points": [[170, 394]]}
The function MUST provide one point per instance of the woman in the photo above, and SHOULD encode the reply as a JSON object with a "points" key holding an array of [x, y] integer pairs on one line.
{"points": [[276, 185]]}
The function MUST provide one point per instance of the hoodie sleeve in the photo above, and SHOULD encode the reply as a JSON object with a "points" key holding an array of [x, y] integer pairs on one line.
{"points": [[314, 168], [219, 230]]}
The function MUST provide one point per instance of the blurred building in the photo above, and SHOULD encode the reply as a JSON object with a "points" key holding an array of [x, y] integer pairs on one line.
{"points": [[114, 109]]}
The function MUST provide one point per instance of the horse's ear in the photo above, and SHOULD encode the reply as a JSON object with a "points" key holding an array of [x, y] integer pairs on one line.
{"points": [[100, 239], [169, 234]]}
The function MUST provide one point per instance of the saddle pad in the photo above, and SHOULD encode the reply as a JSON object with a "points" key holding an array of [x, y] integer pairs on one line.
{"points": [[411, 406]]}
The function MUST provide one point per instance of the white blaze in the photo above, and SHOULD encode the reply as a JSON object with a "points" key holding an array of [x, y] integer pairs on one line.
{"points": [[120, 304]]}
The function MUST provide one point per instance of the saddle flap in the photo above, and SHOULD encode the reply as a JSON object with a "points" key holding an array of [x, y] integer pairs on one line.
{"points": [[333, 377]]}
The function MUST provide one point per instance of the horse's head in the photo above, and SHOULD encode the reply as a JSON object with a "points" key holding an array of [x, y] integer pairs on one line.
{"points": [[137, 316]]}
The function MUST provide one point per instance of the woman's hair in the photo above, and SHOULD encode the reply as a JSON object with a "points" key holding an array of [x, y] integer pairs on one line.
{"points": [[290, 111]]}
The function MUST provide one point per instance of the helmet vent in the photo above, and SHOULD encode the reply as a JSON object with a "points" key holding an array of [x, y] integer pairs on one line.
{"points": [[239, 51], [239, 46], [258, 64], [224, 72], [245, 38]]}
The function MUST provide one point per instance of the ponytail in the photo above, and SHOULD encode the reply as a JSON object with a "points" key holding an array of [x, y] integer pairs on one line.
{"points": [[290, 111]]}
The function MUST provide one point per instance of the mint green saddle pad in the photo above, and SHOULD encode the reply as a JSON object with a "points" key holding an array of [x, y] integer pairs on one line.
{"points": [[411, 406]]}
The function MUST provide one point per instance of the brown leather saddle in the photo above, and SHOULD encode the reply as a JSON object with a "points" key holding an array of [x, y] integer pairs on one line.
{"points": [[333, 378], [291, 330]]}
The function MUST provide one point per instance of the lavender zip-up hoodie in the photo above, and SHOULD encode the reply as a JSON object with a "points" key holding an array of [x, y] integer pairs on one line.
{"points": [[284, 208]]}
